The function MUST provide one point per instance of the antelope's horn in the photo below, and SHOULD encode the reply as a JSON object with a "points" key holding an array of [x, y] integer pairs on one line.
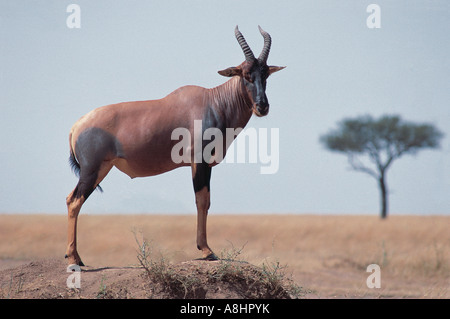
{"points": [[247, 51], [267, 42]]}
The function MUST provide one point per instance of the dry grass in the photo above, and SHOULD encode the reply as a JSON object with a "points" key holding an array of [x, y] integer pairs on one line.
{"points": [[328, 254]]}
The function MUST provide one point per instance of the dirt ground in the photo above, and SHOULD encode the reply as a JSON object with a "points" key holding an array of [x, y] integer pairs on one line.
{"points": [[197, 279], [280, 256]]}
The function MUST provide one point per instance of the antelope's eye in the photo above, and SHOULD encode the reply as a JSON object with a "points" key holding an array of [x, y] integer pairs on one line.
{"points": [[249, 78]]}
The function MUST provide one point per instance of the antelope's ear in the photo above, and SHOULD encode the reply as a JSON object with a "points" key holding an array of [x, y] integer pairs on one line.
{"points": [[231, 71], [273, 69]]}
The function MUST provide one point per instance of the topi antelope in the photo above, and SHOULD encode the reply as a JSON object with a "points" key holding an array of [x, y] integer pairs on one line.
{"points": [[136, 138]]}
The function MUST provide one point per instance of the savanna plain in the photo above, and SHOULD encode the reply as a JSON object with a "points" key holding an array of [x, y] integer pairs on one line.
{"points": [[326, 255]]}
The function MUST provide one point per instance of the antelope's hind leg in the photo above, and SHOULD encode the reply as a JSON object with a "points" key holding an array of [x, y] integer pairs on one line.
{"points": [[201, 175], [74, 203], [90, 178]]}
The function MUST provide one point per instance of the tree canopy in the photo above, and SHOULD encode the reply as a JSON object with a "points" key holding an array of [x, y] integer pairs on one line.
{"points": [[383, 140]]}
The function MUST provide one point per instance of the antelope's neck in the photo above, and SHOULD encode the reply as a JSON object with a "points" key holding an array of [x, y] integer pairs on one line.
{"points": [[231, 101]]}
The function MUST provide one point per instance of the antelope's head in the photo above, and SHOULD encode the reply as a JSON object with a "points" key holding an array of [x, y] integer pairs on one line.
{"points": [[254, 72]]}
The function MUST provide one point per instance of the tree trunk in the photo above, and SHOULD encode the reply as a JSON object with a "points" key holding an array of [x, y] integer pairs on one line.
{"points": [[384, 199]]}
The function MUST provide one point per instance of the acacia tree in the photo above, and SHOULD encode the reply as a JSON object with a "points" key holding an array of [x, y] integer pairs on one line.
{"points": [[372, 145]]}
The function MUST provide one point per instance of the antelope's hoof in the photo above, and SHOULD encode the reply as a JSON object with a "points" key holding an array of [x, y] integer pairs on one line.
{"points": [[79, 263]]}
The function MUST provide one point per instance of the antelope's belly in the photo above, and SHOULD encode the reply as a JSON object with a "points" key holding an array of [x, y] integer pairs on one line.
{"points": [[146, 166]]}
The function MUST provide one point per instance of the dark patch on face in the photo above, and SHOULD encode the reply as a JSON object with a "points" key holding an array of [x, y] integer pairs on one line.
{"points": [[255, 76]]}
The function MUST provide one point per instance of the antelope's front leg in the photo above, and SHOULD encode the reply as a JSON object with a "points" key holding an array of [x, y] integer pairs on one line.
{"points": [[201, 175]]}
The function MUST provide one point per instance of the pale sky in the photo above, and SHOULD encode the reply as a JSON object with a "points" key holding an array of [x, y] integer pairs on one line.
{"points": [[337, 67]]}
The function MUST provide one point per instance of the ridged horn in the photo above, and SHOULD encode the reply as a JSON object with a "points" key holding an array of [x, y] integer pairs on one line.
{"points": [[267, 42], [247, 51]]}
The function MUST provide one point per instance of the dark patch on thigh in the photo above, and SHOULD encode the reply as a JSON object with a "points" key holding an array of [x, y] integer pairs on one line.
{"points": [[94, 145]]}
